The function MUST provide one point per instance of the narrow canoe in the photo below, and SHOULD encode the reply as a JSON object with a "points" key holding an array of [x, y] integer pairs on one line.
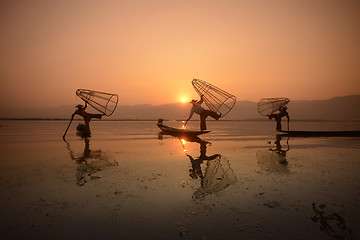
{"points": [[321, 133], [179, 132]]}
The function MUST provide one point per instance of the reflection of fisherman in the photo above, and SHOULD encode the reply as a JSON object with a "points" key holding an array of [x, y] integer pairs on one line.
{"points": [[274, 159], [87, 117], [196, 108], [195, 170], [89, 162], [278, 116], [84, 168], [280, 151], [217, 176]]}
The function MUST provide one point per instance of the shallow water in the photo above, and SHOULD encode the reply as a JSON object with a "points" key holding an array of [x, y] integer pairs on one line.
{"points": [[128, 181]]}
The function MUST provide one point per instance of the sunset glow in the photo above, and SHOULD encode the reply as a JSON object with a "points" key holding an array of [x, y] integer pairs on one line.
{"points": [[136, 49]]}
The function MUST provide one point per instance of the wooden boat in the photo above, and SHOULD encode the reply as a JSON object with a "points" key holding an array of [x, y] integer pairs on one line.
{"points": [[179, 131], [80, 131], [320, 133]]}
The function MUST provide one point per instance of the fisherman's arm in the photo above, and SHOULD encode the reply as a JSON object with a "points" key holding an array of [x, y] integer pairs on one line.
{"points": [[201, 100], [190, 116]]}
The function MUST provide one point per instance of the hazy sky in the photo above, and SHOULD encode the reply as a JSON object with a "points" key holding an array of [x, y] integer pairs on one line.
{"points": [[149, 51]]}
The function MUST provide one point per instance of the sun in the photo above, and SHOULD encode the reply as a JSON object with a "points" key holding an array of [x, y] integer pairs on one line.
{"points": [[183, 100]]}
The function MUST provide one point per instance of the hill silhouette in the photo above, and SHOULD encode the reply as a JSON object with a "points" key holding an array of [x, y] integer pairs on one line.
{"points": [[337, 108]]}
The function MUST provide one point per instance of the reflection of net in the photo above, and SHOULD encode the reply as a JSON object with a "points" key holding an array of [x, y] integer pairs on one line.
{"points": [[273, 161], [216, 99], [268, 106], [218, 176], [103, 102]]}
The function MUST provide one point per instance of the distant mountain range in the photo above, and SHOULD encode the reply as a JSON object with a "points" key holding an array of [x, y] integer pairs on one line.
{"points": [[338, 108]]}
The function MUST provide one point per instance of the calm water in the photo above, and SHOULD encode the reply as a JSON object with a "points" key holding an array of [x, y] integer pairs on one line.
{"points": [[129, 182]]}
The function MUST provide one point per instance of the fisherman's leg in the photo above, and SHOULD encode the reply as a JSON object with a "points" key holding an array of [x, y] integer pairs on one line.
{"points": [[278, 124], [213, 114], [203, 121], [87, 126], [202, 149], [98, 116], [271, 116]]}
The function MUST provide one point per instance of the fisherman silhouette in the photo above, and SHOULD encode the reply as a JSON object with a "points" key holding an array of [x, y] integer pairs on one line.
{"points": [[196, 108], [278, 116], [85, 129]]}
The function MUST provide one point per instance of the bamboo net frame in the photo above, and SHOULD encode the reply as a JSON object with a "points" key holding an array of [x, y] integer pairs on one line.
{"points": [[216, 99], [103, 102], [267, 106]]}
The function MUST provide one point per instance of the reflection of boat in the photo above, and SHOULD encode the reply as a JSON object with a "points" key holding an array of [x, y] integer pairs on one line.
{"points": [[178, 131], [321, 133]]}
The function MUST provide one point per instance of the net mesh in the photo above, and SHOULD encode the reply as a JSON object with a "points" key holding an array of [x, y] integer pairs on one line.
{"points": [[272, 161], [103, 102], [267, 106], [216, 99], [218, 176]]}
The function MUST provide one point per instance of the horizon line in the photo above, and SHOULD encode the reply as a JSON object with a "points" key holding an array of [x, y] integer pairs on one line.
{"points": [[195, 120], [182, 103]]}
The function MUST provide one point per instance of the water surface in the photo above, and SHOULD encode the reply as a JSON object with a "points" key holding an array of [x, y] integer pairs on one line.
{"points": [[128, 181]]}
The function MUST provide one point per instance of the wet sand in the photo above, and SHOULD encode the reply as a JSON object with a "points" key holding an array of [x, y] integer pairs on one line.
{"points": [[129, 182]]}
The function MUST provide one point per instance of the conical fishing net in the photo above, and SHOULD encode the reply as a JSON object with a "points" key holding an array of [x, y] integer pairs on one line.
{"points": [[267, 106], [103, 102], [215, 98]]}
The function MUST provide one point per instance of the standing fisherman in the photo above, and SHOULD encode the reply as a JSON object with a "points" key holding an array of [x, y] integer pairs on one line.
{"points": [[103, 102], [278, 116], [196, 108], [87, 118]]}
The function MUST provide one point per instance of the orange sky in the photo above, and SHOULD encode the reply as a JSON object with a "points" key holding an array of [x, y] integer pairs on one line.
{"points": [[149, 51]]}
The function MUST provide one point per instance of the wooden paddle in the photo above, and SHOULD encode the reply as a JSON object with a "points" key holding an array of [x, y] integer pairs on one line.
{"points": [[72, 117]]}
